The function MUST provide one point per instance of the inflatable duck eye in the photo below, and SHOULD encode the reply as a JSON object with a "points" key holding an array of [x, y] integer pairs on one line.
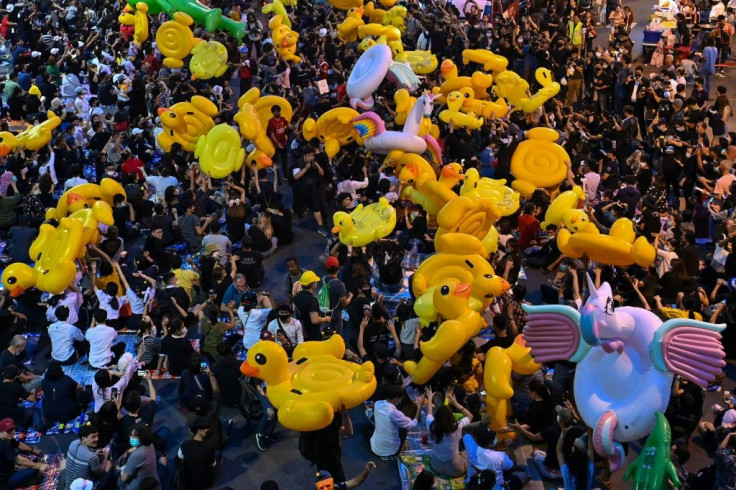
{"points": [[39, 256], [488, 276], [445, 290], [467, 95], [260, 359], [11, 280]]}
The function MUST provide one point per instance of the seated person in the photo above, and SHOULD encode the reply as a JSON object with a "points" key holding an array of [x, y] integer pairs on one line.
{"points": [[61, 395]]}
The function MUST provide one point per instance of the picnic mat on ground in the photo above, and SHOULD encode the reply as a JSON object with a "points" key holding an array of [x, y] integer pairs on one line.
{"points": [[51, 475], [68, 427]]}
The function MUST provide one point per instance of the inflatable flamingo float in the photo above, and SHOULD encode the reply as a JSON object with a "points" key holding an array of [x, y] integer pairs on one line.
{"points": [[372, 130], [626, 359]]}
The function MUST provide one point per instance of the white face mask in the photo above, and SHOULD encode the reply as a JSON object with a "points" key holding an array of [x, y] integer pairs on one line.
{"points": [[598, 54]]}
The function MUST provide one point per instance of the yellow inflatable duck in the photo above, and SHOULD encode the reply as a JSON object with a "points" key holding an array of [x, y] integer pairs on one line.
{"points": [[479, 82], [460, 267], [54, 252], [175, 40], [421, 62], [185, 122], [491, 62], [451, 175], [345, 4], [487, 108], [366, 44], [219, 152], [252, 119], [209, 60], [348, 29], [377, 30], [620, 247], [499, 364], [549, 89], [421, 185], [452, 114], [284, 39], [374, 14], [307, 391], [334, 128], [8, 143], [565, 208], [257, 160], [36, 137], [512, 87], [538, 162], [503, 196], [466, 227], [461, 323], [85, 196], [138, 19], [365, 225], [277, 8], [396, 17]]}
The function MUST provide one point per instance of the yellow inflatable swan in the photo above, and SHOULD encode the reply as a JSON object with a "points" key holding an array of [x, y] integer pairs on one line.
{"points": [[307, 391], [365, 224]]}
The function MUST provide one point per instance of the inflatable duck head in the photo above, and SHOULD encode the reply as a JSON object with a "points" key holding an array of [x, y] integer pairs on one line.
{"points": [[267, 361], [451, 298]]}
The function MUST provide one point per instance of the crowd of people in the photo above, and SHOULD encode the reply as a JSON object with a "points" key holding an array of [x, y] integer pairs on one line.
{"points": [[186, 263]]}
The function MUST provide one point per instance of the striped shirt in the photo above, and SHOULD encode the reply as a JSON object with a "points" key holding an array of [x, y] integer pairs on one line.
{"points": [[81, 462]]}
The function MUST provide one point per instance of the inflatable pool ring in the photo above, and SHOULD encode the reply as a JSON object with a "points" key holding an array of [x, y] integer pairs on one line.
{"points": [[284, 39], [348, 29], [54, 252], [491, 62], [36, 137], [452, 114], [653, 468], [370, 70], [475, 187], [499, 365], [538, 162], [373, 135], [365, 225], [549, 89], [211, 18], [462, 268], [309, 390], [377, 30], [8, 143], [487, 108], [209, 60], [334, 128], [185, 122], [421, 62], [85, 196], [395, 17], [175, 40], [620, 247], [512, 87], [565, 209], [626, 359], [466, 227], [252, 129], [345, 4], [478, 81], [277, 8], [451, 175], [461, 323], [668, 312], [219, 152]]}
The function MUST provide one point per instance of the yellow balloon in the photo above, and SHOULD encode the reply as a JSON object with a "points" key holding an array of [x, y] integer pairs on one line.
{"points": [[36, 137], [209, 60]]}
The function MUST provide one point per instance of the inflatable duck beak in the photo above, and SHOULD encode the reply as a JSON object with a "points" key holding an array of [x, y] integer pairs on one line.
{"points": [[250, 371], [462, 290], [505, 286], [161, 110], [16, 291], [335, 230]]}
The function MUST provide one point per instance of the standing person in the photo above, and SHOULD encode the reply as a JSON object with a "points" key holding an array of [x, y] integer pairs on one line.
{"points": [[84, 461], [708, 65], [339, 296], [286, 329], [323, 447], [294, 272], [29, 473], [101, 338], [253, 311], [254, 31], [277, 132], [307, 307], [197, 457]]}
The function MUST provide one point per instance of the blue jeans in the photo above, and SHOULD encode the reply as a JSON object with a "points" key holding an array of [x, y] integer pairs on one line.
{"points": [[268, 420], [20, 477]]}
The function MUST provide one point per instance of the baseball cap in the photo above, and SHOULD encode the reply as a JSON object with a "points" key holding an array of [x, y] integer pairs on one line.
{"points": [[322, 32], [7, 424], [250, 299], [35, 54], [309, 277], [81, 484], [564, 415], [332, 262], [136, 131], [322, 475]]}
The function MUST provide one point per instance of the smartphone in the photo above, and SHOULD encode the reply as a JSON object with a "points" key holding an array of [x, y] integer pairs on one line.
{"points": [[142, 373], [203, 366], [114, 393]]}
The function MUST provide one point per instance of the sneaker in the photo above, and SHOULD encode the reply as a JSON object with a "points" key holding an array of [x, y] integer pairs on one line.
{"points": [[323, 232], [261, 442], [272, 438]]}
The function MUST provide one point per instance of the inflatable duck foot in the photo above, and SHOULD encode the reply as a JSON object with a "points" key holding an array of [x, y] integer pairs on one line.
{"points": [[305, 416], [603, 441], [366, 372]]}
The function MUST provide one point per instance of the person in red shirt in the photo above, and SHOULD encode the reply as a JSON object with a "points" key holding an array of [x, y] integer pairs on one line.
{"points": [[277, 131], [151, 64], [528, 226]]}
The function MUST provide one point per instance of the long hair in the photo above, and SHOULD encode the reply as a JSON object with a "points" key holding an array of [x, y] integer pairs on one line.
{"points": [[264, 223], [444, 423], [112, 289], [577, 461]]}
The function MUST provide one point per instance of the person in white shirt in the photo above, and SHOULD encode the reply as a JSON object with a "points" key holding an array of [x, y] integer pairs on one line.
{"points": [[161, 182], [591, 181], [664, 255], [254, 309], [480, 458], [109, 385], [101, 339], [67, 341], [445, 433], [286, 329], [388, 437], [71, 298]]}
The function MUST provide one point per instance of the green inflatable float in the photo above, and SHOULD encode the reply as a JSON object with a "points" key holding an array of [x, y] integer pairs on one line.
{"points": [[653, 468], [211, 19]]}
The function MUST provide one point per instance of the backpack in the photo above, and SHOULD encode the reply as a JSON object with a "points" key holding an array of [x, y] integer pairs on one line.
{"points": [[323, 297]]}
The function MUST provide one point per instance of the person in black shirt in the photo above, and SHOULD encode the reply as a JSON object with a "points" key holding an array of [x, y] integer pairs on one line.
{"points": [[197, 458], [31, 474], [306, 307], [11, 394], [249, 262], [502, 337], [60, 395], [376, 328], [322, 447]]}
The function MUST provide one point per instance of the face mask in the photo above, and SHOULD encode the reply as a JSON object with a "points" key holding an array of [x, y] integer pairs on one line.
{"points": [[135, 442], [184, 332], [563, 267], [520, 40], [598, 54], [110, 173]]}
